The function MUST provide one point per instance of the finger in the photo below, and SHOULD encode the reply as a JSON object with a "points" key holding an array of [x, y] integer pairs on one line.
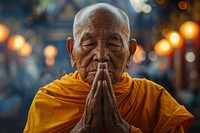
{"points": [[98, 76], [105, 65], [109, 101], [106, 95], [111, 115], [98, 94], [107, 104], [107, 78], [93, 108]]}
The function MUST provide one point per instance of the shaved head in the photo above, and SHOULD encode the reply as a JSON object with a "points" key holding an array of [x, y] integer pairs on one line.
{"points": [[103, 11], [101, 34]]}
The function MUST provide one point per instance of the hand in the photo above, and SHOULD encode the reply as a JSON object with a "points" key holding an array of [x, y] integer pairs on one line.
{"points": [[112, 120], [101, 109], [92, 119]]}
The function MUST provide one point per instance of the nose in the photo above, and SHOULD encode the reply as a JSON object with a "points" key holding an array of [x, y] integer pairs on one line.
{"points": [[102, 53]]}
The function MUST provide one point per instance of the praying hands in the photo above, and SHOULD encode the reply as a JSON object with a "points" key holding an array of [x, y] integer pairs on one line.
{"points": [[101, 110]]}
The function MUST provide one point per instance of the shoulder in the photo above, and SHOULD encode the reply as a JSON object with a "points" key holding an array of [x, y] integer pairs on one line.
{"points": [[147, 85], [148, 90], [155, 95], [54, 87]]}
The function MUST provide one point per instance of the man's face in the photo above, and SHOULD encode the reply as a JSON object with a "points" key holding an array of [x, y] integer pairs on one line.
{"points": [[101, 40]]}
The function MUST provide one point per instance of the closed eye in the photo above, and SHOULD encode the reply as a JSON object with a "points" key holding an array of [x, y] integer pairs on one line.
{"points": [[89, 44], [114, 45]]}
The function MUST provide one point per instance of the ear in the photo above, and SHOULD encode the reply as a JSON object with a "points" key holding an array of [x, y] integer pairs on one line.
{"points": [[70, 46], [132, 49]]}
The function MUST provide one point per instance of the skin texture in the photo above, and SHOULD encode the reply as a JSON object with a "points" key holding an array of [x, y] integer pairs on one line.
{"points": [[101, 51]]}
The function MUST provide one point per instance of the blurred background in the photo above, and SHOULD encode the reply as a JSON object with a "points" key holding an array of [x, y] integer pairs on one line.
{"points": [[33, 50]]}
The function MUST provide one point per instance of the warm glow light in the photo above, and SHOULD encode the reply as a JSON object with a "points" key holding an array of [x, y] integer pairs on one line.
{"points": [[25, 50], [163, 47], [189, 30], [139, 55], [160, 2], [182, 5], [50, 51], [50, 61], [15, 42], [4, 33], [175, 39]]}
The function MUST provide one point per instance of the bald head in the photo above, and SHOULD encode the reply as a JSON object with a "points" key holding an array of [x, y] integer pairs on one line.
{"points": [[101, 34], [98, 14]]}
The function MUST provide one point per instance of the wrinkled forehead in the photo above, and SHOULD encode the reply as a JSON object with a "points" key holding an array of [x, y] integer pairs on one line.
{"points": [[101, 17], [98, 16]]}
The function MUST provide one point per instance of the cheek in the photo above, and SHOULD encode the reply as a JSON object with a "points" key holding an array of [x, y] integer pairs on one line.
{"points": [[119, 59], [83, 59], [79, 56]]}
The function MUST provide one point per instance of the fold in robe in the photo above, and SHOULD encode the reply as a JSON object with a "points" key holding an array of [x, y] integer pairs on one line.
{"points": [[146, 106]]}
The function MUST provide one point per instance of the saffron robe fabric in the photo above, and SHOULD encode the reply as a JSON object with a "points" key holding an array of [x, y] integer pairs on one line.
{"points": [[146, 106]]}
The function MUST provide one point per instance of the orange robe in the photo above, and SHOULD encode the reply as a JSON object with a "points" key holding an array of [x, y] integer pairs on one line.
{"points": [[146, 106]]}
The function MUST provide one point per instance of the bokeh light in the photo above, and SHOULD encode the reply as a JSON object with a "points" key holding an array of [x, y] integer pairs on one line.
{"points": [[147, 8], [4, 33], [163, 47], [50, 61], [160, 2], [50, 51], [152, 56], [189, 30], [25, 50], [141, 6], [182, 5], [15, 42], [139, 55], [190, 56], [175, 39]]}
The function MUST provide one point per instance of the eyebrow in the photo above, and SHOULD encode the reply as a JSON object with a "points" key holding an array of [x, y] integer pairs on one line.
{"points": [[87, 36], [115, 36]]}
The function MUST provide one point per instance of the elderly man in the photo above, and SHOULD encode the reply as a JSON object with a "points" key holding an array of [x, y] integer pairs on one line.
{"points": [[100, 96]]}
